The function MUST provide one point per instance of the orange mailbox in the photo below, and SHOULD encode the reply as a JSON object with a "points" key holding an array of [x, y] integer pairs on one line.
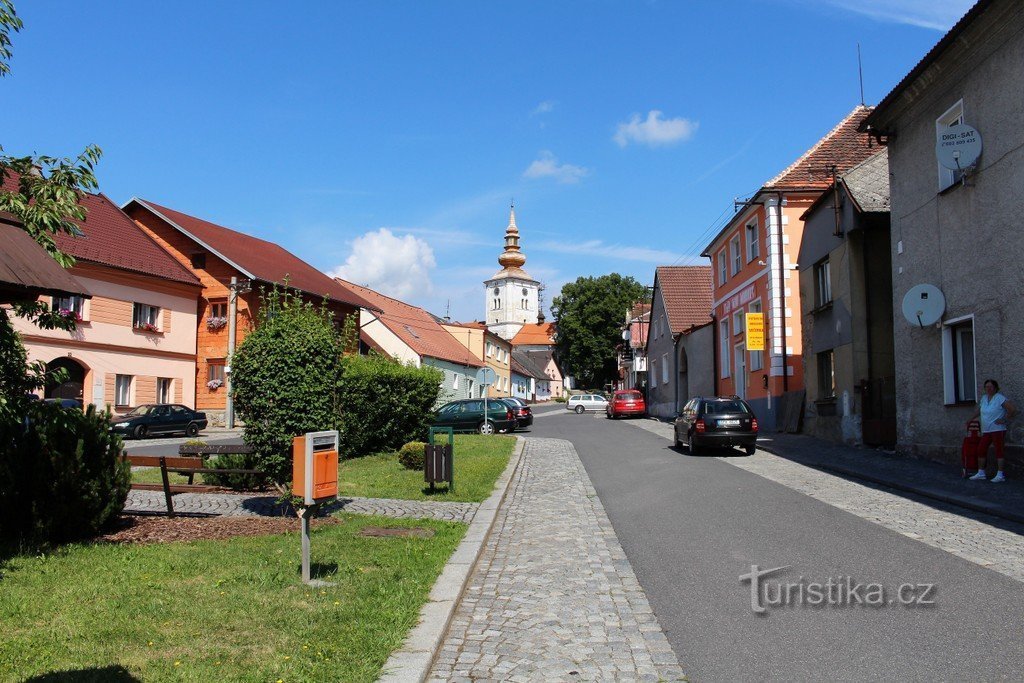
{"points": [[315, 467]]}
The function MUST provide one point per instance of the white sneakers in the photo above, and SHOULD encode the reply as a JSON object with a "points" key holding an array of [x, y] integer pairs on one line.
{"points": [[998, 479], [979, 476]]}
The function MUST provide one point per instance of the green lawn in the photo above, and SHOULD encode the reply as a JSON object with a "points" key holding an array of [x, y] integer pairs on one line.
{"points": [[479, 461], [219, 610], [151, 475]]}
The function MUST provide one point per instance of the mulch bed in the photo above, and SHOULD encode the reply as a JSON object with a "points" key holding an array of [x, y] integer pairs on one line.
{"points": [[147, 529]]}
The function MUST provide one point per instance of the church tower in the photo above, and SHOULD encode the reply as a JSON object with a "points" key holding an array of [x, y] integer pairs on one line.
{"points": [[512, 297]]}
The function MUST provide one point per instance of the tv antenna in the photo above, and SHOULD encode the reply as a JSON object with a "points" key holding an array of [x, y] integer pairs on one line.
{"points": [[860, 75]]}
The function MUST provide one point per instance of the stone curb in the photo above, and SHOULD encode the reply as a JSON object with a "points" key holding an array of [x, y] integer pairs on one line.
{"points": [[413, 660]]}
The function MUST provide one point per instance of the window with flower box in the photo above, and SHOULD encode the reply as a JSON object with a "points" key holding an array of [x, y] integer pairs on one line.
{"points": [[69, 307], [146, 317]]}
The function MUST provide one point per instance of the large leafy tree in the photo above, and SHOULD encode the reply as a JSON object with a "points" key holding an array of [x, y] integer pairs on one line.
{"points": [[589, 314]]}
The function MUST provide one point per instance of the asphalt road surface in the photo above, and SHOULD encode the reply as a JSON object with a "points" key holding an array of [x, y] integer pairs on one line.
{"points": [[691, 526], [168, 445]]}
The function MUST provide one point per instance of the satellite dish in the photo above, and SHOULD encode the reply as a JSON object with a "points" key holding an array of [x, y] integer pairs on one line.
{"points": [[923, 305], [958, 147]]}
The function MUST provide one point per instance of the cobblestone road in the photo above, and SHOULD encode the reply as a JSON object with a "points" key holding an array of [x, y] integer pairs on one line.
{"points": [[978, 538], [247, 505], [553, 597]]}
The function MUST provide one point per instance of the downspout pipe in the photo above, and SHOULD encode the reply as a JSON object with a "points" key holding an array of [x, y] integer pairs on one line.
{"points": [[782, 294]]}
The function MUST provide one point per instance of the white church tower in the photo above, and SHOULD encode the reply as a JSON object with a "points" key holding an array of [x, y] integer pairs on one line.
{"points": [[512, 297]]}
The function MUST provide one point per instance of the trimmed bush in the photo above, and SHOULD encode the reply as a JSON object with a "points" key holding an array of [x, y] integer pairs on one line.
{"points": [[61, 474], [238, 482], [411, 455], [285, 378], [384, 403]]}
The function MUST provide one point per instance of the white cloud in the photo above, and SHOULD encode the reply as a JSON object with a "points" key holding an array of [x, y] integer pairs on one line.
{"points": [[393, 265], [546, 166], [545, 107], [655, 130], [939, 15]]}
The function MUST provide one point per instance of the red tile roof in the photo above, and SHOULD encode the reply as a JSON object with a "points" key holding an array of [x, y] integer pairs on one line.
{"points": [[256, 258], [686, 291], [535, 334], [414, 326], [843, 147], [111, 238]]}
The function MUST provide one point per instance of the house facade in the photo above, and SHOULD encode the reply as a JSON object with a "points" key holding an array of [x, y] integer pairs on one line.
{"points": [[530, 381], [753, 260], [680, 343], [846, 309], [489, 348], [135, 340], [537, 340], [234, 269], [632, 359], [411, 335], [956, 229]]}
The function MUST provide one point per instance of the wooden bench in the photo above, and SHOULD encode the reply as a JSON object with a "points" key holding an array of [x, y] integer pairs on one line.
{"points": [[190, 461]]}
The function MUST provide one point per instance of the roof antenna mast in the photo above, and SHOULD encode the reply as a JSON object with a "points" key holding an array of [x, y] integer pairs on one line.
{"points": [[860, 74]]}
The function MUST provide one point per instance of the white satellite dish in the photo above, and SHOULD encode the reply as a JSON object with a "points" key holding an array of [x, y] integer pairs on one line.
{"points": [[924, 305], [958, 147]]}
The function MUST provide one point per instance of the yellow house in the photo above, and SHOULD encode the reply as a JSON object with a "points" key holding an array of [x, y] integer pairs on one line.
{"points": [[488, 347]]}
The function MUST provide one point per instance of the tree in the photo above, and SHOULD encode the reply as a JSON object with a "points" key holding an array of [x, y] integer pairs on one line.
{"points": [[589, 316]]}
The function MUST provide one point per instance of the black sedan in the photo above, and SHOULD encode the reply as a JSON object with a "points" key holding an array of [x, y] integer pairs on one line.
{"points": [[522, 410], [159, 418], [716, 422]]}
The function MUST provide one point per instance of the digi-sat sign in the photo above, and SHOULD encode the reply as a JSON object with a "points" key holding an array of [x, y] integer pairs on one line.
{"points": [[958, 147]]}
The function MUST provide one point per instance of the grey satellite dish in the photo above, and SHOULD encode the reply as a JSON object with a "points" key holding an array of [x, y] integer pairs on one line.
{"points": [[924, 305], [958, 147]]}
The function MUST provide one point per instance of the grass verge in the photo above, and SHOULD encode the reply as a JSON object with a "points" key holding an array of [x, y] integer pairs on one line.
{"points": [[479, 461], [232, 610]]}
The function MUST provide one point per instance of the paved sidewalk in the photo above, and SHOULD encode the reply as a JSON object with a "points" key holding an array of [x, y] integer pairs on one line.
{"points": [[250, 505], [553, 597]]}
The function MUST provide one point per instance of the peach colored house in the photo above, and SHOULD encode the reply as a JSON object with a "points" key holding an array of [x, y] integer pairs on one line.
{"points": [[136, 339], [489, 348]]}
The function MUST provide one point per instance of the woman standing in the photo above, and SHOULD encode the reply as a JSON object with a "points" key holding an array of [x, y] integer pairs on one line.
{"points": [[995, 411]]}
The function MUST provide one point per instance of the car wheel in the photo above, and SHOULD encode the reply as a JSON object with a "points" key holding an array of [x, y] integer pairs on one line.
{"points": [[192, 429], [751, 449], [693, 448], [139, 432], [579, 410], [486, 427]]}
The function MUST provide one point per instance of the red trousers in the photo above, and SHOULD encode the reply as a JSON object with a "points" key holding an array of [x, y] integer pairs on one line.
{"points": [[994, 438]]}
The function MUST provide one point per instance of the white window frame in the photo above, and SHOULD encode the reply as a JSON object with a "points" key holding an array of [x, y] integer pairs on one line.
{"points": [[755, 307], [953, 381], [654, 372], [73, 303], [823, 282], [455, 381], [951, 117], [145, 313], [664, 368], [723, 271], [123, 390], [736, 252], [726, 343], [163, 396], [753, 244]]}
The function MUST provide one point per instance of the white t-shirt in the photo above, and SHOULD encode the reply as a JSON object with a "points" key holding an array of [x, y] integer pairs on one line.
{"points": [[992, 410]]}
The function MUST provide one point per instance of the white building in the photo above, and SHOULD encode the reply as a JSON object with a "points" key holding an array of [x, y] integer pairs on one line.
{"points": [[511, 296]]}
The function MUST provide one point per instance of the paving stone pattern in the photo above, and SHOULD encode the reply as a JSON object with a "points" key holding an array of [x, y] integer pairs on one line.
{"points": [[976, 537], [248, 505], [553, 597]]}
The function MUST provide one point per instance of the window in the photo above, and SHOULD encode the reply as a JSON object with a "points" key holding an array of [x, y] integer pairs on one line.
{"points": [[146, 317], [664, 368], [953, 116], [70, 305], [215, 373], [722, 275], [525, 304], [219, 309], [654, 372], [490, 349], [495, 304], [959, 372], [455, 380], [753, 246], [469, 387], [123, 390], [199, 260], [826, 374], [737, 323], [164, 390], [756, 357], [726, 345], [822, 283], [737, 254]]}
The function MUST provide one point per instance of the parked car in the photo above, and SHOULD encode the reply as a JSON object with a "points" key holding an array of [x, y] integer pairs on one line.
{"points": [[159, 418], [585, 402], [522, 410], [467, 415], [626, 403], [65, 402], [717, 421]]}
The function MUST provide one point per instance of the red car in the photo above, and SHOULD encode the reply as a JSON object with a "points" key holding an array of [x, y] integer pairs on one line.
{"points": [[627, 402]]}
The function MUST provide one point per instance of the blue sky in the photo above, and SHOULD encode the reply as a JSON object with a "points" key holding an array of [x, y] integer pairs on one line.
{"points": [[386, 139]]}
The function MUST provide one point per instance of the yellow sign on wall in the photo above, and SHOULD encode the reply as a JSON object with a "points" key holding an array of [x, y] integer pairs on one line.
{"points": [[755, 331]]}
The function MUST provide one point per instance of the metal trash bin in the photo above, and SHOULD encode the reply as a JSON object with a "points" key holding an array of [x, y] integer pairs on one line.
{"points": [[438, 458]]}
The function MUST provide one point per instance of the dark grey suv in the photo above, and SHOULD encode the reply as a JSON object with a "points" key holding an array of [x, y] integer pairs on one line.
{"points": [[718, 421]]}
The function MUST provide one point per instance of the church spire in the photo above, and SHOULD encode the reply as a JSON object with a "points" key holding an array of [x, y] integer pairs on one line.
{"points": [[512, 257]]}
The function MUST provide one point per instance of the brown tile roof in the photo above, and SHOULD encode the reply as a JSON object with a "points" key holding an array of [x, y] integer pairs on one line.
{"points": [[26, 270], [254, 257], [535, 334], [843, 147], [686, 291], [111, 238], [414, 326]]}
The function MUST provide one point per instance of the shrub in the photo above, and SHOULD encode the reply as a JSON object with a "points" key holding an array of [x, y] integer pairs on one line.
{"points": [[284, 378], [384, 403], [61, 474], [238, 482], [411, 455]]}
